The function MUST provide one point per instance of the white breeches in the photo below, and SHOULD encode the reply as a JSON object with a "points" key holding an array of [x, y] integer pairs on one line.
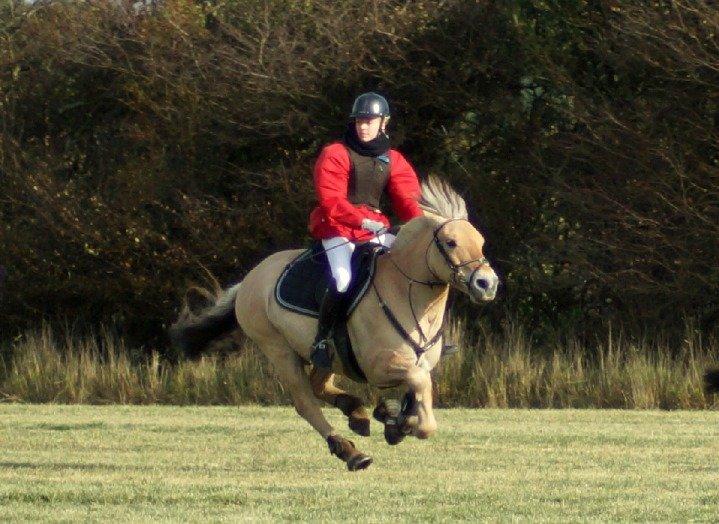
{"points": [[339, 253]]}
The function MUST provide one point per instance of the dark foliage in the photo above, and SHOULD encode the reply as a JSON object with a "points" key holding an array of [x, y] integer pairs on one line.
{"points": [[138, 146], [711, 381]]}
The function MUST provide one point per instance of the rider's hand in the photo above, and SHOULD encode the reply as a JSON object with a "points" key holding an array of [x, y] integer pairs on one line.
{"points": [[373, 225]]}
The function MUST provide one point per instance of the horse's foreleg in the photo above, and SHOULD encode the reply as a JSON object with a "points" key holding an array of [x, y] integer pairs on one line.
{"points": [[414, 414], [322, 381], [291, 373], [419, 382]]}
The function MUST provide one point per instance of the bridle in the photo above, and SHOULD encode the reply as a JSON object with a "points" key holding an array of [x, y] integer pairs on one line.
{"points": [[455, 270]]}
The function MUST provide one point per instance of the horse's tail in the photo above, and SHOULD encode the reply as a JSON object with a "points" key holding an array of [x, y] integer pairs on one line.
{"points": [[711, 381], [192, 333]]}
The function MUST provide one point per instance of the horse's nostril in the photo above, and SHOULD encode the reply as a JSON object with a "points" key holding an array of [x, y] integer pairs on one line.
{"points": [[481, 283]]}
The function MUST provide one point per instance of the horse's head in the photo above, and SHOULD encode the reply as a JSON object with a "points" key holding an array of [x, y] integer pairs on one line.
{"points": [[453, 251], [456, 257]]}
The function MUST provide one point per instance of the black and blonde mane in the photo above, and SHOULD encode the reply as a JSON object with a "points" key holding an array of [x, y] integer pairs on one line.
{"points": [[440, 199]]}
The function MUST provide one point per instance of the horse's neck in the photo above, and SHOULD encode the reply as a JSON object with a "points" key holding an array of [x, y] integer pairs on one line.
{"points": [[410, 259]]}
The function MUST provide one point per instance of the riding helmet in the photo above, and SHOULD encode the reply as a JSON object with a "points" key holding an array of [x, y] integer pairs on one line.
{"points": [[369, 105]]}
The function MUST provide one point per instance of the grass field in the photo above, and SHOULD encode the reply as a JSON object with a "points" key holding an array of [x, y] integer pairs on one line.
{"points": [[264, 463]]}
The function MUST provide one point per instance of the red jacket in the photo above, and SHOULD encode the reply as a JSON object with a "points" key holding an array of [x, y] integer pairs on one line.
{"points": [[335, 216]]}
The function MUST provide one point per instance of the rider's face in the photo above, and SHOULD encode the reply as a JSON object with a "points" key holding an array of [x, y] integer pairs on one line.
{"points": [[369, 128]]}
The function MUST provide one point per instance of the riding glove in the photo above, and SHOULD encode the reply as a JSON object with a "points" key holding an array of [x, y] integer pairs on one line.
{"points": [[374, 226]]}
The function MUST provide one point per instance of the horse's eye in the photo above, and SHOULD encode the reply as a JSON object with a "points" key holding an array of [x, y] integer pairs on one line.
{"points": [[451, 243]]}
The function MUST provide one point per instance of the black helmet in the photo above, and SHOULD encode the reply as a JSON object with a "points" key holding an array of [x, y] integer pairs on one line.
{"points": [[369, 105]]}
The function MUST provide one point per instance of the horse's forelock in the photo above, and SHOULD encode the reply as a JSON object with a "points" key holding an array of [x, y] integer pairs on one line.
{"points": [[439, 198], [440, 202]]}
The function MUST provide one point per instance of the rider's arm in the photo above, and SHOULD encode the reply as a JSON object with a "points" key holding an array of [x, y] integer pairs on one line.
{"points": [[331, 178], [403, 188]]}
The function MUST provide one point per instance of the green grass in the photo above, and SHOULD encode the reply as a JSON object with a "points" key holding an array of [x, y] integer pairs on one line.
{"points": [[134, 463]]}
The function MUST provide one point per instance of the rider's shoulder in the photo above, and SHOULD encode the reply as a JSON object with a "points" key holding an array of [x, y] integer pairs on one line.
{"points": [[335, 149], [395, 156], [333, 154]]}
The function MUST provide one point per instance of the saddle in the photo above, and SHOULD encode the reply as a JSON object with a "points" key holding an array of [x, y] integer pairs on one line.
{"points": [[304, 282]]}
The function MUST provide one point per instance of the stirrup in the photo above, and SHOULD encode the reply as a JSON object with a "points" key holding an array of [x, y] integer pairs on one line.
{"points": [[321, 354]]}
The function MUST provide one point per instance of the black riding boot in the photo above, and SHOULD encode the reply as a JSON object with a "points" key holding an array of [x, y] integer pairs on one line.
{"points": [[322, 349]]}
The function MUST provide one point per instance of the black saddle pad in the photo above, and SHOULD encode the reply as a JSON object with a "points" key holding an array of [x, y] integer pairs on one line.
{"points": [[302, 284]]}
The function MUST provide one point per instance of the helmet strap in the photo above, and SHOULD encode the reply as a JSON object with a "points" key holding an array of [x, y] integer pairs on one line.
{"points": [[382, 125]]}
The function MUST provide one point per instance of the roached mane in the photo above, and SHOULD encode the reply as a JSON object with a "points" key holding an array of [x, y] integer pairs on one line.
{"points": [[439, 198]]}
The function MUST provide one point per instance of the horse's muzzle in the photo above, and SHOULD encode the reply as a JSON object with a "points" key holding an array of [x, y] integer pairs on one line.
{"points": [[482, 284]]}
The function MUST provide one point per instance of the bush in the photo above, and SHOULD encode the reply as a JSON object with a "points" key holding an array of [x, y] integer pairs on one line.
{"points": [[500, 370], [139, 146]]}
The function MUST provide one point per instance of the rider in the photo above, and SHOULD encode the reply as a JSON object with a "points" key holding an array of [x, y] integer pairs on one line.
{"points": [[350, 177]]}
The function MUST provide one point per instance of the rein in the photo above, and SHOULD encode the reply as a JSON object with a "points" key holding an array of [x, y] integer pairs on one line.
{"points": [[455, 269], [396, 324]]}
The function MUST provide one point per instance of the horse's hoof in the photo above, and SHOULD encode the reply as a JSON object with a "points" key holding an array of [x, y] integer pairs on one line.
{"points": [[380, 412], [359, 426], [358, 462], [393, 434]]}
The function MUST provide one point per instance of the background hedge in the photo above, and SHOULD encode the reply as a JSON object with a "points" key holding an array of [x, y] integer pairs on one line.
{"points": [[139, 145]]}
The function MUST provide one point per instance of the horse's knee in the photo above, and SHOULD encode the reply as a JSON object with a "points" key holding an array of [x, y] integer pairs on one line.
{"points": [[426, 430], [417, 379]]}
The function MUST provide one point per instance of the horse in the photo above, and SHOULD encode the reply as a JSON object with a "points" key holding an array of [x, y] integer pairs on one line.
{"points": [[394, 330]]}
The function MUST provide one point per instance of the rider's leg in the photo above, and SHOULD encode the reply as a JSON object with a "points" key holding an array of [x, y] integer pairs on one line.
{"points": [[385, 239], [339, 254]]}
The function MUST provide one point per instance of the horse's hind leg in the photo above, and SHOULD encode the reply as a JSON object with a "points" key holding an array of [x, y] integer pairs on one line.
{"points": [[322, 381], [291, 373]]}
